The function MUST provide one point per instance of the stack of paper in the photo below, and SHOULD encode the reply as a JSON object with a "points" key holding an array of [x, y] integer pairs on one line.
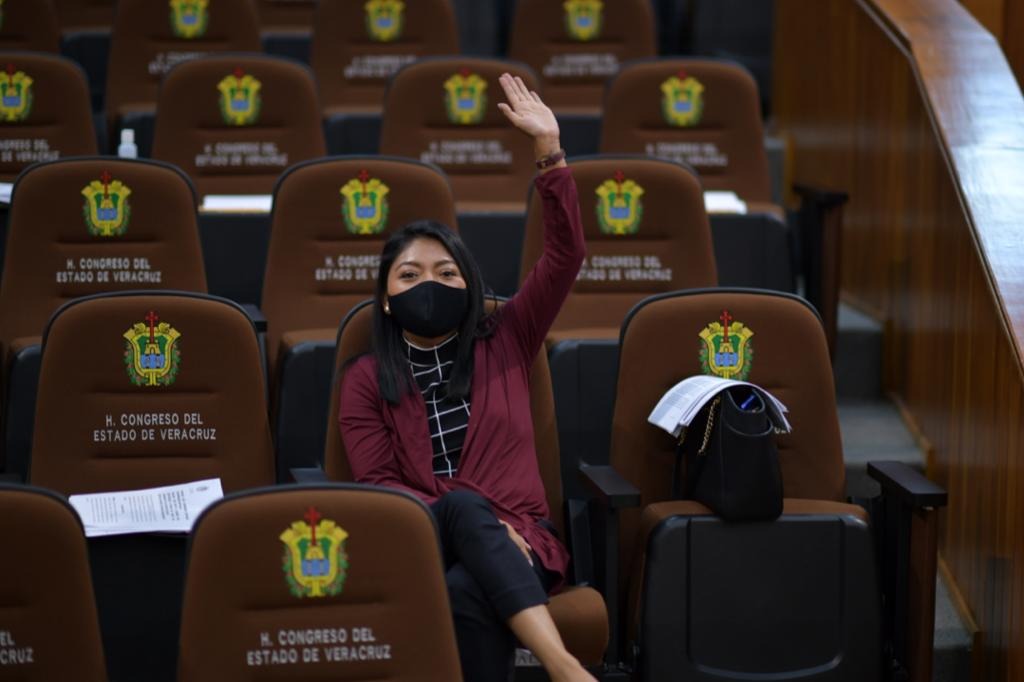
{"points": [[237, 203], [170, 509], [724, 202], [5, 192], [682, 402]]}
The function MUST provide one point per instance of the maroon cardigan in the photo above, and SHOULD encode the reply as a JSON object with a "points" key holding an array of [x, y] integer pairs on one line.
{"points": [[389, 445]]}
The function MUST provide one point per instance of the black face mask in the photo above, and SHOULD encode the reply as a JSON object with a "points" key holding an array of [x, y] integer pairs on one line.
{"points": [[430, 309]]}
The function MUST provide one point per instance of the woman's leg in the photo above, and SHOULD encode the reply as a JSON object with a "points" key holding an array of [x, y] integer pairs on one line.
{"points": [[486, 645], [473, 538]]}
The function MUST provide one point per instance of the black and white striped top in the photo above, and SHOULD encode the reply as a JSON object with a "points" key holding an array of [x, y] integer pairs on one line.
{"points": [[448, 419]]}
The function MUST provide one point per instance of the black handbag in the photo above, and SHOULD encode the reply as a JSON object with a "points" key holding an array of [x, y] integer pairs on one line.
{"points": [[730, 458]]}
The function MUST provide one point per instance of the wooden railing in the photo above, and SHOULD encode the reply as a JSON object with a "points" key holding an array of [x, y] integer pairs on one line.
{"points": [[910, 107]]}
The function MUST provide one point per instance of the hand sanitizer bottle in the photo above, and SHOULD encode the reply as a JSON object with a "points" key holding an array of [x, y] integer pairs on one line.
{"points": [[127, 149]]}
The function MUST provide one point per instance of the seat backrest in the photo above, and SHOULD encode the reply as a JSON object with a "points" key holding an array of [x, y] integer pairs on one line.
{"points": [[701, 112], [151, 36], [233, 123], [89, 225], [330, 221], [577, 45], [49, 629], [78, 14], [148, 389], [358, 45], [444, 111], [647, 233], [287, 14], [341, 583], [777, 343], [29, 25], [45, 111], [354, 340]]}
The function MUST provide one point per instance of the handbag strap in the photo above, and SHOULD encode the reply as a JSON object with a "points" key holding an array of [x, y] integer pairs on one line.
{"points": [[691, 476]]}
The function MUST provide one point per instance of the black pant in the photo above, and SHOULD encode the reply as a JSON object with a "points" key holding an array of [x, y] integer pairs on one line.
{"points": [[489, 580]]}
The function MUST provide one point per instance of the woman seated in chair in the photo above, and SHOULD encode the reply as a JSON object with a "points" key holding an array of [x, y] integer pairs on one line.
{"points": [[441, 409]]}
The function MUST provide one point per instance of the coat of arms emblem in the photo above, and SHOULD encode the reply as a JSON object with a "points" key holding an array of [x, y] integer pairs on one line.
{"points": [[315, 563], [106, 209], [365, 204], [726, 350], [240, 99], [189, 18], [583, 19], [152, 356], [465, 98], [682, 101], [619, 208], [15, 95], [385, 19]]}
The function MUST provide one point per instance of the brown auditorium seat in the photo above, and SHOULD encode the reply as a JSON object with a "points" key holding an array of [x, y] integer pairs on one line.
{"points": [[745, 599], [341, 582], [575, 46], [358, 45], [147, 389], [151, 36], [647, 233], [287, 14], [702, 112], [331, 219], [44, 111], [444, 111], [80, 14], [579, 612], [29, 25], [48, 630], [233, 123], [83, 226]]}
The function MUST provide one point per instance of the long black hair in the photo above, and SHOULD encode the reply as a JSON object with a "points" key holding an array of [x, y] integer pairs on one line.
{"points": [[393, 374]]}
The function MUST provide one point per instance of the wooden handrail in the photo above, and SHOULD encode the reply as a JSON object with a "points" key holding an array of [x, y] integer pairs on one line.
{"points": [[911, 108]]}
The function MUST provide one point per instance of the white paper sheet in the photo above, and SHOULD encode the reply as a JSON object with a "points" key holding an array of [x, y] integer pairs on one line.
{"points": [[237, 203], [5, 192], [724, 202], [168, 509], [681, 403]]}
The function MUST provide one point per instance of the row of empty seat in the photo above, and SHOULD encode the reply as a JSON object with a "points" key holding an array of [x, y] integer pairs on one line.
{"points": [[233, 123]]}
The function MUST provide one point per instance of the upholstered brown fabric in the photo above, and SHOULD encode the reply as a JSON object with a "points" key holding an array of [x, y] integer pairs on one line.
{"points": [[59, 248], [331, 219], [145, 45], [724, 143], [100, 424], [286, 14], [389, 620], [29, 25], [579, 613], [45, 112], [353, 55], [79, 14], [788, 356], [575, 54], [49, 629], [647, 233], [488, 160], [246, 156]]}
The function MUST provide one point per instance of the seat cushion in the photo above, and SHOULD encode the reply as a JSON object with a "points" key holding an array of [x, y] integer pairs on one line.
{"points": [[582, 620]]}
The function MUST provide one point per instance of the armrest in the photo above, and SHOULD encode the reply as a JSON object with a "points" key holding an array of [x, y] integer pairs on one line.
{"points": [[257, 317], [308, 475], [605, 483], [907, 484], [825, 198]]}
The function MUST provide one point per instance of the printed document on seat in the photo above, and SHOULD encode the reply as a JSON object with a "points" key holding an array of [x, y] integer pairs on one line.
{"points": [[678, 407], [168, 509]]}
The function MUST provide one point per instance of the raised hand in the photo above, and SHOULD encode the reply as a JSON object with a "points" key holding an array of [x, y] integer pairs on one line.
{"points": [[526, 111]]}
